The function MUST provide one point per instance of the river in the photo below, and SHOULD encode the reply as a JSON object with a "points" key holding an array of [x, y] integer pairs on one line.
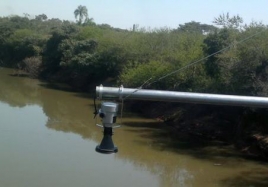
{"points": [[48, 138]]}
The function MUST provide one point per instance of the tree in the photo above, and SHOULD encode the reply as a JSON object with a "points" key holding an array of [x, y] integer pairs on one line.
{"points": [[41, 17], [81, 12], [196, 27], [51, 54], [89, 22], [229, 22]]}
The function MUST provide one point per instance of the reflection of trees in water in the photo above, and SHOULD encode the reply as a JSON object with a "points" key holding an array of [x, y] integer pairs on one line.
{"points": [[17, 91], [64, 111], [72, 126], [69, 114]]}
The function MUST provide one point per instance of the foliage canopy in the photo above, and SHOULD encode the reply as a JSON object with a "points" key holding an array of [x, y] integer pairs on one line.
{"points": [[85, 53]]}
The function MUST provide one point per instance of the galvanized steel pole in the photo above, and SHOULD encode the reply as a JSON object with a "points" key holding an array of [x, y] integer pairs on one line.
{"points": [[184, 97]]}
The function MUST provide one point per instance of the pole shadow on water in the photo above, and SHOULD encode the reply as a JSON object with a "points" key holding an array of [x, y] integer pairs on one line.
{"points": [[67, 88]]}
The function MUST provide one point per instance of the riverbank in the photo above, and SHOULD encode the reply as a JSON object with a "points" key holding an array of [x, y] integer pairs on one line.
{"points": [[243, 128]]}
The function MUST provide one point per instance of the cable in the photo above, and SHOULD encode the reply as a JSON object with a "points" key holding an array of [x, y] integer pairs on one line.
{"points": [[138, 88], [95, 107], [122, 109]]}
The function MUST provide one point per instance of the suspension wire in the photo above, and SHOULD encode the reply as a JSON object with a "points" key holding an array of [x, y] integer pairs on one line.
{"points": [[95, 107], [138, 88]]}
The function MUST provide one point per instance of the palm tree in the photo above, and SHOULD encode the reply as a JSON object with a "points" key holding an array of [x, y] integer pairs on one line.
{"points": [[81, 12]]}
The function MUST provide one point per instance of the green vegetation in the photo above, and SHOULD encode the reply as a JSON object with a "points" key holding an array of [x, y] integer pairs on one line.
{"points": [[84, 54]]}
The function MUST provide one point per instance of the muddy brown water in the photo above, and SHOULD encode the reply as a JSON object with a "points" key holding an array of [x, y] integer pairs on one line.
{"points": [[48, 138]]}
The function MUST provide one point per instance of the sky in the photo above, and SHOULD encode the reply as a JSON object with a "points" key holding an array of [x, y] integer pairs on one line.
{"points": [[146, 13]]}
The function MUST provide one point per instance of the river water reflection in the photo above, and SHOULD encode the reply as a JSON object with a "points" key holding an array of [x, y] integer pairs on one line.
{"points": [[48, 138]]}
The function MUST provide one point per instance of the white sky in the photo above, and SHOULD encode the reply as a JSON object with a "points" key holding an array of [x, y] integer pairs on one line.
{"points": [[146, 13]]}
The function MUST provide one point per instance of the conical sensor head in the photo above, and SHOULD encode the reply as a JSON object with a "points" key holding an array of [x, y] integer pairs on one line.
{"points": [[107, 145]]}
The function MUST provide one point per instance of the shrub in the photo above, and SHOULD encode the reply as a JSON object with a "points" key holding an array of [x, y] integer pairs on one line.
{"points": [[32, 66]]}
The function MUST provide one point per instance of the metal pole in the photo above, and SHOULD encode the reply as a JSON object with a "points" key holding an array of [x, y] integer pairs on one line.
{"points": [[184, 97]]}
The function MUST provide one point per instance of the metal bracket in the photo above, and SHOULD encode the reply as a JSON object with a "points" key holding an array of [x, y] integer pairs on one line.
{"points": [[100, 91], [121, 88], [114, 127]]}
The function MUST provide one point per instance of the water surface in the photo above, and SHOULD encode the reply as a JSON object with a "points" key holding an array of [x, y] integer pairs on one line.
{"points": [[48, 138]]}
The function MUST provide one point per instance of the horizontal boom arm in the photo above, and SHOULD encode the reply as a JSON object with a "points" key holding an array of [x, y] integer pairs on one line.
{"points": [[184, 97]]}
